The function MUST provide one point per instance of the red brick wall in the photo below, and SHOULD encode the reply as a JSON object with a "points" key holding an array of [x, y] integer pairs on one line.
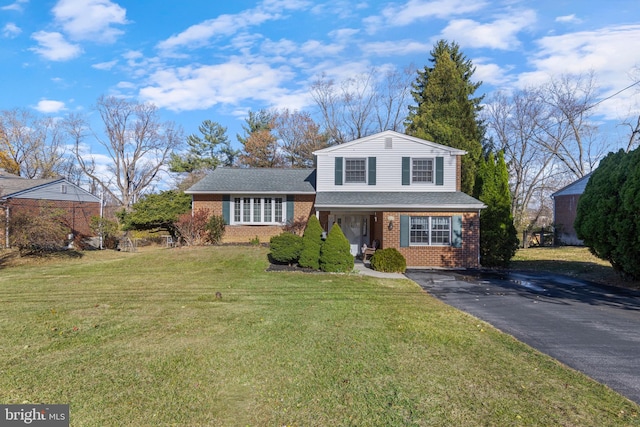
{"points": [[303, 208], [77, 215], [436, 256], [566, 208], [426, 256]]}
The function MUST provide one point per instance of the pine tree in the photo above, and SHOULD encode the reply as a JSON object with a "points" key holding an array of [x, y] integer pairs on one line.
{"points": [[446, 112], [498, 235]]}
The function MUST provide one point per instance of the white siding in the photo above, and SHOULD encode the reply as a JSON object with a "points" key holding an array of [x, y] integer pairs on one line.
{"points": [[388, 166]]}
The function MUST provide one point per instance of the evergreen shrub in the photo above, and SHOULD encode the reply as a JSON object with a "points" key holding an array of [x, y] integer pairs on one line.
{"points": [[311, 244], [286, 248], [335, 254], [389, 260]]}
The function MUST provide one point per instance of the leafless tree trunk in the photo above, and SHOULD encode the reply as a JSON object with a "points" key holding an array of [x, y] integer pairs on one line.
{"points": [[137, 144]]}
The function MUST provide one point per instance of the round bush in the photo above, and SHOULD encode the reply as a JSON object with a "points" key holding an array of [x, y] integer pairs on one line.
{"points": [[286, 248], [335, 254], [389, 260]]}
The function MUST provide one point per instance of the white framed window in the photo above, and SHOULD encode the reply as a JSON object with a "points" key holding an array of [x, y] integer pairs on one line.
{"points": [[355, 171], [430, 231], [258, 210], [422, 171]]}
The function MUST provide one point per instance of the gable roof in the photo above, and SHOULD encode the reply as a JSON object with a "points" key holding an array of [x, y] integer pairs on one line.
{"points": [[13, 186], [391, 134], [576, 187], [256, 181]]}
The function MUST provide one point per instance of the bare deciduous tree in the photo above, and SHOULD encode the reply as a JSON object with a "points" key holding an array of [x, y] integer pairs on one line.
{"points": [[137, 143], [361, 105], [567, 130], [33, 145], [548, 137], [299, 136]]}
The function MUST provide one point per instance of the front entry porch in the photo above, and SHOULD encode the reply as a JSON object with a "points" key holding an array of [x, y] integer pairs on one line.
{"points": [[360, 228]]}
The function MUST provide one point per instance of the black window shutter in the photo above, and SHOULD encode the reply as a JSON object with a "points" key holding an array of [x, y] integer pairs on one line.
{"points": [[372, 171], [406, 170], [439, 170]]}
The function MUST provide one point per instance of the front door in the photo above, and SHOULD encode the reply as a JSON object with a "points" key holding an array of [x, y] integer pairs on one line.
{"points": [[352, 227]]}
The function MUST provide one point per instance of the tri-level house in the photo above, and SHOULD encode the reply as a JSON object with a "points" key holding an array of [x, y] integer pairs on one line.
{"points": [[387, 190]]}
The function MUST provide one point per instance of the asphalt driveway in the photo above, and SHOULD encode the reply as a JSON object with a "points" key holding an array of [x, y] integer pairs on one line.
{"points": [[591, 328]]}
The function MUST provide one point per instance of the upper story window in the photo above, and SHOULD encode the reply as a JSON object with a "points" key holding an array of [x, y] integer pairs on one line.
{"points": [[355, 170], [422, 171], [258, 210]]}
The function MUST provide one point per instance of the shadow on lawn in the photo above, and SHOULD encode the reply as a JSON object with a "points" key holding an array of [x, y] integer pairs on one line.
{"points": [[11, 258]]}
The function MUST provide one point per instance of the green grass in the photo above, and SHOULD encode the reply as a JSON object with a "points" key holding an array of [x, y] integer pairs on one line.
{"points": [[141, 339], [571, 261]]}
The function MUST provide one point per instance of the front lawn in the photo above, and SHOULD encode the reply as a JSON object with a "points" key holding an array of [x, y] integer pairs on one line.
{"points": [[141, 339]]}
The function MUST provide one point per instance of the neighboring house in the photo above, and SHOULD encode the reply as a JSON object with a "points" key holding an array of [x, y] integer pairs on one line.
{"points": [[565, 208], [396, 190], [20, 195]]}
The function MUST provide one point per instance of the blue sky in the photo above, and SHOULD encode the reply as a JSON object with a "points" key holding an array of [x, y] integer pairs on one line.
{"points": [[216, 60]]}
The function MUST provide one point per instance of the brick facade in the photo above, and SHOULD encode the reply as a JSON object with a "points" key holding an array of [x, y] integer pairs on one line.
{"points": [[466, 256], [77, 215], [425, 256], [303, 208]]}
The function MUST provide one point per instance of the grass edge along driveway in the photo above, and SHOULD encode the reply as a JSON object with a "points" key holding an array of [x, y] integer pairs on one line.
{"points": [[141, 339]]}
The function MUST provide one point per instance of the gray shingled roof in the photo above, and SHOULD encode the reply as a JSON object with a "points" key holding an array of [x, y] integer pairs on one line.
{"points": [[11, 184], [576, 187], [379, 200], [259, 180]]}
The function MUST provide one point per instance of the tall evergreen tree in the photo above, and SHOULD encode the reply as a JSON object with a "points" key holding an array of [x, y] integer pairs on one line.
{"points": [[498, 235], [446, 111]]}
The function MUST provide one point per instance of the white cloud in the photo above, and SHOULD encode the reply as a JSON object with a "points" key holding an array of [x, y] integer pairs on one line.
{"points": [[199, 35], [396, 48], [50, 106], [415, 10], [15, 6], [53, 46], [492, 74], [11, 30], [105, 65], [570, 19], [604, 51], [90, 19], [499, 34], [201, 87]]}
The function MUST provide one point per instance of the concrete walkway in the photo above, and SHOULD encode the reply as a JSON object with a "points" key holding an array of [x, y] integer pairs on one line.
{"points": [[365, 268]]}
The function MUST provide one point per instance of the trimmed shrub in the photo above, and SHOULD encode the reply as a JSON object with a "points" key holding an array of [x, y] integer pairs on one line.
{"points": [[286, 248], [389, 260], [311, 244], [335, 254]]}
